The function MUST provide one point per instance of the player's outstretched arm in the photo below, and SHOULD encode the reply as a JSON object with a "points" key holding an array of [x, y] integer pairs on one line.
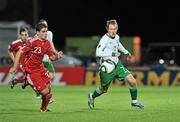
{"points": [[11, 55], [56, 56], [16, 61]]}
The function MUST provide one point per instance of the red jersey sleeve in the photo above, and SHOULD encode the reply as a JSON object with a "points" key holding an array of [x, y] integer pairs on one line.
{"points": [[10, 48], [14, 46], [26, 51], [27, 48], [50, 50]]}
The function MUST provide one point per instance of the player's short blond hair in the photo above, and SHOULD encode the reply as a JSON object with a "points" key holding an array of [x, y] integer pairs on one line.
{"points": [[111, 22]]}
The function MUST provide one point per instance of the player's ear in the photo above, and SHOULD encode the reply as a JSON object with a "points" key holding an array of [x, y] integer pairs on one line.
{"points": [[106, 28], [37, 32]]}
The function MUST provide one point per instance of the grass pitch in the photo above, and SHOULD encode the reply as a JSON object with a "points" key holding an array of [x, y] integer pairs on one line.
{"points": [[162, 104]]}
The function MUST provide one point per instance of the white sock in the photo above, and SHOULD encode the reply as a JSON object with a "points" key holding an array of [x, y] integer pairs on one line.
{"points": [[134, 101], [91, 96]]}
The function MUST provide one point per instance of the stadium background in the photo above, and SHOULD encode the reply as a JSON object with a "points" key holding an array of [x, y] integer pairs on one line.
{"points": [[77, 27]]}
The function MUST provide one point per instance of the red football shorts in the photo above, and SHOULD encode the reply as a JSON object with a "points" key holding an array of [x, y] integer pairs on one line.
{"points": [[39, 80]]}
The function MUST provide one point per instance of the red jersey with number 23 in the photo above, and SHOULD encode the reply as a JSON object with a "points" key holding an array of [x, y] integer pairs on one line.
{"points": [[36, 50]]}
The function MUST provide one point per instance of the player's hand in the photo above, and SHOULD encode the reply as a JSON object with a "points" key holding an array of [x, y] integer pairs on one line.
{"points": [[116, 54], [13, 70], [59, 54], [128, 59]]}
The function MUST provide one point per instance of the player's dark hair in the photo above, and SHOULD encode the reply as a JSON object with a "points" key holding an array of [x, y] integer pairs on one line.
{"points": [[43, 21], [23, 29], [39, 26]]}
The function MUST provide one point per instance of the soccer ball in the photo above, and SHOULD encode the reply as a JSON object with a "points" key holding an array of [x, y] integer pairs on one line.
{"points": [[107, 66]]}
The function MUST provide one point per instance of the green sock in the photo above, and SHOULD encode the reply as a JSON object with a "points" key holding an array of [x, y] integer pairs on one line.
{"points": [[96, 93], [133, 92]]}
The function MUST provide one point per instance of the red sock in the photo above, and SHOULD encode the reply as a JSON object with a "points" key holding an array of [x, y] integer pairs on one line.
{"points": [[45, 101], [19, 80]]}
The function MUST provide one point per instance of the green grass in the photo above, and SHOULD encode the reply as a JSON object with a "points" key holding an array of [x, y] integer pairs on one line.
{"points": [[162, 104]]}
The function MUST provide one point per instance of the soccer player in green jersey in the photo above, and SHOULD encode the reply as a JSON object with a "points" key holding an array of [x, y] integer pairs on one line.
{"points": [[109, 49]]}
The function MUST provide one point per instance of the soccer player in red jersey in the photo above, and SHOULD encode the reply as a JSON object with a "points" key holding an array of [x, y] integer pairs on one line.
{"points": [[12, 50], [38, 76]]}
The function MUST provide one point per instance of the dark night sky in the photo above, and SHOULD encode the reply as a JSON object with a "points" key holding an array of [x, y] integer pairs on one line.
{"points": [[151, 20]]}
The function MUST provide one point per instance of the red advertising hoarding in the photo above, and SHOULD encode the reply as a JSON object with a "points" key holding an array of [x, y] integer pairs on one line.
{"points": [[63, 75]]}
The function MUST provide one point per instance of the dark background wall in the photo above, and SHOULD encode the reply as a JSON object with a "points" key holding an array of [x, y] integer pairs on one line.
{"points": [[151, 20]]}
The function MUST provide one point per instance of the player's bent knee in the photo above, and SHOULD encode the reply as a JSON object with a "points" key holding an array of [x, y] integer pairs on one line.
{"points": [[45, 91], [104, 90], [52, 76], [132, 82]]}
